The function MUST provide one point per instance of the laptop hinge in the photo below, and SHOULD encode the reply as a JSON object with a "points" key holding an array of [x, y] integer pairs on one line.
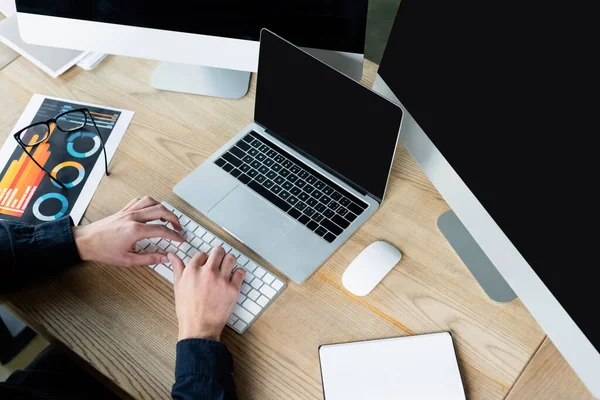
{"points": [[320, 164]]}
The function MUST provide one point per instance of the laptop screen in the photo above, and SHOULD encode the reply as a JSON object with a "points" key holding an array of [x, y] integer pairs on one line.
{"points": [[343, 126]]}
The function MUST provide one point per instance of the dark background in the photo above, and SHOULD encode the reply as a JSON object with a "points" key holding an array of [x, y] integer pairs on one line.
{"points": [[507, 93]]}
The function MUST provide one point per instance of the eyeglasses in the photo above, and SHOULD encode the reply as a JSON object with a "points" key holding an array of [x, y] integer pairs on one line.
{"points": [[68, 122]]}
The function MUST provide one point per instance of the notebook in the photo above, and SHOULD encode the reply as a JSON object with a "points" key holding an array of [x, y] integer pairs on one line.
{"points": [[422, 367]]}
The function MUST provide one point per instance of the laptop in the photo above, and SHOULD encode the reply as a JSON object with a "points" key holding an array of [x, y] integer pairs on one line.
{"points": [[297, 182]]}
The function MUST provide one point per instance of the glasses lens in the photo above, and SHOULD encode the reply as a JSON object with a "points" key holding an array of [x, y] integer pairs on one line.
{"points": [[35, 134], [72, 121]]}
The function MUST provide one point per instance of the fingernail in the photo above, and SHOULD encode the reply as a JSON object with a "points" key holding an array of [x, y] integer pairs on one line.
{"points": [[165, 260]]}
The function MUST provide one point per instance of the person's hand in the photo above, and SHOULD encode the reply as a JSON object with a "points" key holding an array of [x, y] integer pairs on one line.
{"points": [[112, 240], [205, 293]]}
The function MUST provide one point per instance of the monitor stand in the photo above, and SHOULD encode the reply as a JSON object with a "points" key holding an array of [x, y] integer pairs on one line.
{"points": [[195, 79], [474, 258]]}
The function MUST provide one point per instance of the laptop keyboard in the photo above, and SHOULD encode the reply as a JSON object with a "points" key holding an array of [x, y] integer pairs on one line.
{"points": [[317, 203]]}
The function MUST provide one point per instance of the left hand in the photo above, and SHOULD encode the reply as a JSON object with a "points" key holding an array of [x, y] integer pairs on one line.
{"points": [[112, 240]]}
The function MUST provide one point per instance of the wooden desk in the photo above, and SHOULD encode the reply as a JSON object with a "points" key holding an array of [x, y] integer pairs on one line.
{"points": [[122, 321]]}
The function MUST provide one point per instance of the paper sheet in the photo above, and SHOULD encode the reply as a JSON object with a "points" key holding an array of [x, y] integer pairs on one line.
{"points": [[27, 194]]}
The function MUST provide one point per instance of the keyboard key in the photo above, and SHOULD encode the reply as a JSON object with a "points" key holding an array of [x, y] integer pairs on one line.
{"points": [[249, 277], [268, 162], [276, 189], [171, 249], [350, 216], [232, 320], [243, 260], [340, 221], [246, 288], [197, 242], [245, 168], [251, 266], [287, 163], [295, 191], [264, 148], [287, 185], [235, 253], [216, 242], [269, 184], [191, 226], [192, 252], [300, 183], [303, 174], [243, 145], [256, 143], [294, 169], [279, 158], [241, 298], [317, 195], [301, 206], [304, 219], [309, 189], [271, 175], [279, 180], [152, 248], [244, 178], [284, 195], [253, 294], [184, 247], [239, 153], [329, 237], [319, 185], [269, 196], [240, 325], [260, 272], [247, 139], [232, 159], [260, 178], [256, 283], [325, 200], [271, 153], [344, 201], [292, 200], [200, 231], [163, 244], [144, 243], [268, 278], [268, 291], [327, 190], [276, 167], [242, 313], [303, 196], [252, 173], [248, 159], [331, 227], [263, 169], [220, 162], [205, 248], [312, 225], [263, 301], [312, 202], [261, 157], [311, 179], [165, 272], [284, 172], [252, 306], [277, 284], [227, 247], [253, 152], [328, 213], [187, 260], [294, 213], [355, 208], [309, 211], [181, 255], [292, 178], [342, 211], [255, 164], [336, 196]]}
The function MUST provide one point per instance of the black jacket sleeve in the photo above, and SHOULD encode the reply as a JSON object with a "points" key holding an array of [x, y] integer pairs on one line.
{"points": [[28, 251], [203, 371]]}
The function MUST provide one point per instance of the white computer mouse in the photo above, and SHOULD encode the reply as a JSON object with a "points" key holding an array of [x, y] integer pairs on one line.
{"points": [[370, 267]]}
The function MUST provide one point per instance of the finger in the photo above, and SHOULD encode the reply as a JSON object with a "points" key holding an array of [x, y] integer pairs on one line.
{"points": [[155, 212], [178, 266], [215, 259], [146, 231], [227, 265], [199, 260], [130, 204], [145, 202], [238, 278], [146, 259]]}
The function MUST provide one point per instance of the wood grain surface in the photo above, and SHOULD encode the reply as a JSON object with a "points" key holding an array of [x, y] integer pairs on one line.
{"points": [[122, 321], [549, 377], [7, 55]]}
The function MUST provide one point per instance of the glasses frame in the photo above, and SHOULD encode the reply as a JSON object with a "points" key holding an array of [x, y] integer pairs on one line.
{"points": [[86, 112]]}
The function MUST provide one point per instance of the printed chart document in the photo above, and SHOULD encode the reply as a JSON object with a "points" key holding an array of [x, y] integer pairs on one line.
{"points": [[27, 194]]}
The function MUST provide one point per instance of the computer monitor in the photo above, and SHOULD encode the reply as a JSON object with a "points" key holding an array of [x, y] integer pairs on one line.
{"points": [[481, 84], [208, 47]]}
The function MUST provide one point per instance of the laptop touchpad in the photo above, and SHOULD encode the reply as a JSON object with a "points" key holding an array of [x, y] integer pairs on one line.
{"points": [[251, 219]]}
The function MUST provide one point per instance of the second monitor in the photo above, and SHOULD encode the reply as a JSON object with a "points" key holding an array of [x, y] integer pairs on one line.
{"points": [[208, 47]]}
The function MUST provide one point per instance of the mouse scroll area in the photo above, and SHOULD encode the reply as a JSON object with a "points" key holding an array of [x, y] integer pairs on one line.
{"points": [[370, 267]]}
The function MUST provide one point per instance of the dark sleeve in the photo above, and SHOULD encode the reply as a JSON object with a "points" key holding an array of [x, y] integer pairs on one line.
{"points": [[203, 370], [28, 252]]}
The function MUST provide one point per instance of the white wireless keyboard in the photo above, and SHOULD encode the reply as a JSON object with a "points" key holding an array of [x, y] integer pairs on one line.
{"points": [[259, 289]]}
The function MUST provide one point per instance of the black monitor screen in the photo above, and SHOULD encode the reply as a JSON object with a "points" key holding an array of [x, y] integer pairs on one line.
{"points": [[490, 84], [323, 24], [344, 126]]}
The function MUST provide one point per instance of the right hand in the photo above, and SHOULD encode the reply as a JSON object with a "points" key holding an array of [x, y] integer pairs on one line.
{"points": [[205, 293]]}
